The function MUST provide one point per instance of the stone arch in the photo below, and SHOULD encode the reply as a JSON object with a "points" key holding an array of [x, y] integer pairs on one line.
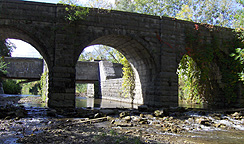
{"points": [[135, 50], [14, 33]]}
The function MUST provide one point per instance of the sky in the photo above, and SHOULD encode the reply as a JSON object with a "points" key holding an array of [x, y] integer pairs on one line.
{"points": [[47, 1], [24, 49]]}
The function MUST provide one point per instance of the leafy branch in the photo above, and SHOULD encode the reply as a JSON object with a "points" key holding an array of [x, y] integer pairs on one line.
{"points": [[74, 11], [128, 84], [3, 67]]}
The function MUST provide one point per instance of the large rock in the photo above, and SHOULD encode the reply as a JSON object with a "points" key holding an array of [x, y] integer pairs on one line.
{"points": [[11, 111], [204, 121], [161, 113], [124, 113]]}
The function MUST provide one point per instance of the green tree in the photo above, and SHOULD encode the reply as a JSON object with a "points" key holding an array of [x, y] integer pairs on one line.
{"points": [[128, 84], [6, 48], [214, 12], [125, 5], [189, 75], [3, 67], [101, 52], [101, 4], [154, 7], [75, 11], [239, 16], [11, 87]]}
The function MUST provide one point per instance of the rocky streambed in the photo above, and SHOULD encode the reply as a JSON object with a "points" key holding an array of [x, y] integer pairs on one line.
{"points": [[144, 125]]}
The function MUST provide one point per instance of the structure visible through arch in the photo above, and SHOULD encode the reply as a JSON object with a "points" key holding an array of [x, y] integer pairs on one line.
{"points": [[154, 45]]}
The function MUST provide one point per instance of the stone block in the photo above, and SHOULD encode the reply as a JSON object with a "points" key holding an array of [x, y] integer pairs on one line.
{"points": [[69, 96], [56, 96]]}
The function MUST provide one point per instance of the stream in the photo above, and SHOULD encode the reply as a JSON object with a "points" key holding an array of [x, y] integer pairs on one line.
{"points": [[195, 126]]}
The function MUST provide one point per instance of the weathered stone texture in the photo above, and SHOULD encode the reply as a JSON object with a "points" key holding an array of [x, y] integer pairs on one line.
{"points": [[24, 68], [87, 71], [154, 45]]}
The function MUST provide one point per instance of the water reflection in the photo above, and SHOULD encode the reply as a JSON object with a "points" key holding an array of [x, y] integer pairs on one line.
{"points": [[32, 101], [101, 103], [41, 105], [192, 105], [36, 101]]}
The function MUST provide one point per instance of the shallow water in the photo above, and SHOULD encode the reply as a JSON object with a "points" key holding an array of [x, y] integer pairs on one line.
{"points": [[37, 120], [80, 102], [101, 103], [191, 105]]}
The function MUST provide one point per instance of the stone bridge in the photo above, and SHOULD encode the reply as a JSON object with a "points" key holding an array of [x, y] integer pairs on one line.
{"points": [[32, 69], [153, 45], [24, 68]]}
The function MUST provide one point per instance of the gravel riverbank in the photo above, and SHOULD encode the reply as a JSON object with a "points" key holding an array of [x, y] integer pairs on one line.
{"points": [[106, 126]]}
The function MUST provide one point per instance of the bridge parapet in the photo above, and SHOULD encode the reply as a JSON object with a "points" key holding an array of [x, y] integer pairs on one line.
{"points": [[86, 72], [24, 68]]}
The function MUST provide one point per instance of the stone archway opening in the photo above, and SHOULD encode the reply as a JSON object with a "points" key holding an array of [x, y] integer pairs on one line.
{"points": [[24, 53], [107, 90], [136, 52], [27, 64], [187, 83], [23, 49]]}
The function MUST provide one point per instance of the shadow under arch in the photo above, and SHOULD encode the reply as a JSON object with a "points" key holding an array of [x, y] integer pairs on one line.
{"points": [[136, 53], [7, 32]]}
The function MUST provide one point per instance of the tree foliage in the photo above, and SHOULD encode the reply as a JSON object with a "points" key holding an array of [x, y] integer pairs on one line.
{"points": [[214, 12], [189, 73], [11, 87], [239, 16], [75, 12], [128, 84], [3, 67], [101, 4], [101, 52], [125, 5], [6, 48]]}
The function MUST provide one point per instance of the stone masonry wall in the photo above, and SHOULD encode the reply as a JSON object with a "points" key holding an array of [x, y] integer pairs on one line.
{"points": [[24, 68], [87, 71], [111, 83], [153, 45]]}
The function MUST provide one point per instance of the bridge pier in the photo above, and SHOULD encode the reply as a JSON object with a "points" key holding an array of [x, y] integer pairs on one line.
{"points": [[61, 87]]}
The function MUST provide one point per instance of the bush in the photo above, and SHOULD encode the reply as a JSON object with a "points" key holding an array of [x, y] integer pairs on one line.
{"points": [[81, 88], [11, 87], [31, 88]]}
